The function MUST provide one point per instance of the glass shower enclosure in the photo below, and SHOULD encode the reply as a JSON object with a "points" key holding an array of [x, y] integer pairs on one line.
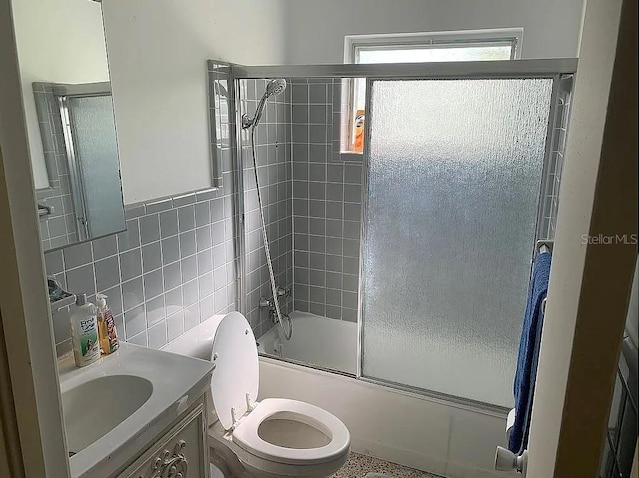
{"points": [[454, 169], [407, 265]]}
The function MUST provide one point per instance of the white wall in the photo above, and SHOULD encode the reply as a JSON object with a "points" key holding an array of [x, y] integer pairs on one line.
{"points": [[157, 55], [580, 349], [316, 29], [158, 48], [58, 41]]}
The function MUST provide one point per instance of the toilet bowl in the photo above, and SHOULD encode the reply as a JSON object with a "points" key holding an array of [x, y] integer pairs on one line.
{"points": [[275, 437]]}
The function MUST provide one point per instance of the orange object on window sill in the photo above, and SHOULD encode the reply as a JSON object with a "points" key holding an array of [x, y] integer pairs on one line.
{"points": [[358, 144]]}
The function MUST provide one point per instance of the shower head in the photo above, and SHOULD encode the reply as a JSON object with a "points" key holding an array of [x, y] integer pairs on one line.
{"points": [[274, 87]]}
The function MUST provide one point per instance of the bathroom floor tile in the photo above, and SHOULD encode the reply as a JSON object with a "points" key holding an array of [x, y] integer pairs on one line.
{"points": [[361, 466]]}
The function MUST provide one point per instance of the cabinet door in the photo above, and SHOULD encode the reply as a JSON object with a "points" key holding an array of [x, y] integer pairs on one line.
{"points": [[181, 453]]}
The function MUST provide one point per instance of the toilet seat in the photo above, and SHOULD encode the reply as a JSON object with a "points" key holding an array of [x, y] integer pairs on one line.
{"points": [[234, 390], [246, 434]]}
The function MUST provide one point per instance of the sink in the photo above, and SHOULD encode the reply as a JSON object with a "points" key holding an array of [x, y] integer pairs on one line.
{"points": [[117, 406], [95, 407]]}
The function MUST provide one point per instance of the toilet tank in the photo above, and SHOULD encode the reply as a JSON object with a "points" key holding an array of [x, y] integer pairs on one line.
{"points": [[198, 341]]}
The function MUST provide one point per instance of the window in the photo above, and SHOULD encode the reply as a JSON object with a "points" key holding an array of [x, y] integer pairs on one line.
{"points": [[482, 45]]}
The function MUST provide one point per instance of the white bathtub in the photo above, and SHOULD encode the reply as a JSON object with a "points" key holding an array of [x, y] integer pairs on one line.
{"points": [[319, 341], [425, 433]]}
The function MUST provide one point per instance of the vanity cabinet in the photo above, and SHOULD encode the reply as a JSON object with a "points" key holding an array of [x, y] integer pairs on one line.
{"points": [[181, 452]]}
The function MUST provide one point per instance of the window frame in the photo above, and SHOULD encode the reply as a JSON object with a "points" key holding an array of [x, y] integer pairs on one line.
{"points": [[354, 44]]}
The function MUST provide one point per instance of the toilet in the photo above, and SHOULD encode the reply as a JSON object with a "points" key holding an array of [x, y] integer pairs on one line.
{"points": [[275, 437]]}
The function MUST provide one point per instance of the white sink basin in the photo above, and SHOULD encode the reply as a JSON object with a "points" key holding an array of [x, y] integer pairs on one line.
{"points": [[94, 408], [114, 408]]}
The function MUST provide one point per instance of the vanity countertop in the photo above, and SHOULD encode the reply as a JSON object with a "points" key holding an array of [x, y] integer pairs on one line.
{"points": [[177, 382]]}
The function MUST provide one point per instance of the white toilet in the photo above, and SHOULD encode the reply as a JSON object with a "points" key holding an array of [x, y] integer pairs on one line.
{"points": [[276, 437]]}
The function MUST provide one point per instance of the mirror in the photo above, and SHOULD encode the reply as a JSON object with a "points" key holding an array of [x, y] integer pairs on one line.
{"points": [[70, 123]]}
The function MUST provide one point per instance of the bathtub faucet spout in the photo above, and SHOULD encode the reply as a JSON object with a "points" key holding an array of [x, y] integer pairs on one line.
{"points": [[274, 318], [271, 303]]}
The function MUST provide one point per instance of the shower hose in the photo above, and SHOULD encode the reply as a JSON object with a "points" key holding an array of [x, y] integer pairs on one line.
{"points": [[287, 331]]}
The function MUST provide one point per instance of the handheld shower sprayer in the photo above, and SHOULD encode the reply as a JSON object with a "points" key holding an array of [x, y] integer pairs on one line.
{"points": [[274, 87]]}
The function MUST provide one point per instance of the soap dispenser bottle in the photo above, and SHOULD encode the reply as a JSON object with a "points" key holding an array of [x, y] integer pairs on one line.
{"points": [[84, 331], [107, 333]]}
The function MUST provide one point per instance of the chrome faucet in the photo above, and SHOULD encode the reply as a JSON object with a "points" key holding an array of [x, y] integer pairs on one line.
{"points": [[280, 292]]}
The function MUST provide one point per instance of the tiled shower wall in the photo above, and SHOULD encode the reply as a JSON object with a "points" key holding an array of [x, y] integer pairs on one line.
{"points": [[327, 204], [327, 198], [312, 202], [273, 158], [172, 268]]}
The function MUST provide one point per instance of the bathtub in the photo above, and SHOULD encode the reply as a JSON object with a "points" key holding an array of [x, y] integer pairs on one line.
{"points": [[422, 432], [325, 343], [406, 428]]}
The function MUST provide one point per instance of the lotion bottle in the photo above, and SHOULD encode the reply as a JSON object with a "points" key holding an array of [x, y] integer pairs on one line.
{"points": [[84, 332], [107, 332]]}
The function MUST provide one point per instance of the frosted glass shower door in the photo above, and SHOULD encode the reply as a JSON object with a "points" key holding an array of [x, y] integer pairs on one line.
{"points": [[94, 137], [453, 180]]}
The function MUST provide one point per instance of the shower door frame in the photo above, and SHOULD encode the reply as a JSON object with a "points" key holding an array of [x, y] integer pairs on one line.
{"points": [[554, 69]]}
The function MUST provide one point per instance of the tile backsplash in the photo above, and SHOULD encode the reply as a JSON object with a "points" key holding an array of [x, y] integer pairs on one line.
{"points": [[173, 267]]}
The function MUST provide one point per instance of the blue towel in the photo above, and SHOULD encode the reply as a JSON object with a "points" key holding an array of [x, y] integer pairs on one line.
{"points": [[525, 379]]}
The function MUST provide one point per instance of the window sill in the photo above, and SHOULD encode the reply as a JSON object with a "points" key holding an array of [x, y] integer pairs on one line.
{"points": [[349, 156]]}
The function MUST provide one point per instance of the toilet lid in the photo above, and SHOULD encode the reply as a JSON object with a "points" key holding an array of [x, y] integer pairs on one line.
{"points": [[235, 375]]}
